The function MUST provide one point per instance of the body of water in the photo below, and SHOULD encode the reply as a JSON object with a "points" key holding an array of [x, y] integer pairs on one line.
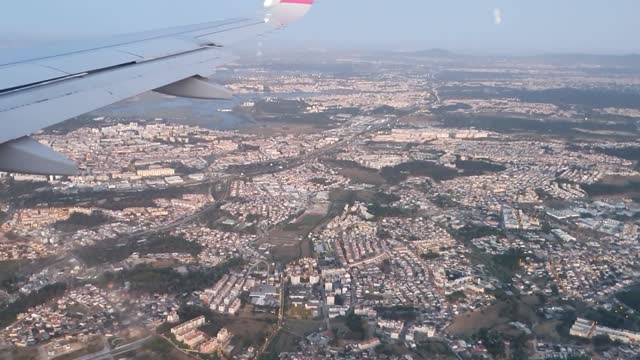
{"points": [[210, 114]]}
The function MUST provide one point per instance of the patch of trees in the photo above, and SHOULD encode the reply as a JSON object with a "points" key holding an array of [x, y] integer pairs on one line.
{"points": [[388, 110], [255, 167], [12, 236], [102, 253], [453, 275], [431, 349], [321, 181], [146, 279], [493, 341], [601, 343], [602, 189], [322, 120], [269, 356], [280, 106], [9, 314], [382, 211], [386, 351], [575, 357], [348, 164], [519, 349], [183, 169], [157, 348], [248, 147], [473, 231], [629, 153], [9, 277], [511, 260], [463, 75], [478, 167], [386, 267], [401, 172], [14, 188], [355, 323], [565, 128], [431, 255], [190, 312], [612, 319], [444, 201], [79, 221], [449, 108], [340, 198], [108, 199], [407, 313], [589, 98], [384, 198], [592, 98], [251, 218], [456, 296], [383, 234], [631, 298]]}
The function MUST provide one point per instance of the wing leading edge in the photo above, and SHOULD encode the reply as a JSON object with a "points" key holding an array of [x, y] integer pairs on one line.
{"points": [[42, 87]]}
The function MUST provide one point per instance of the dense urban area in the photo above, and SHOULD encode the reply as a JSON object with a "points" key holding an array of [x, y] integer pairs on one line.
{"points": [[417, 205]]}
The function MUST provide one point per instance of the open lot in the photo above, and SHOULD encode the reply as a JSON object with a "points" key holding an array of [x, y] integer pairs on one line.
{"points": [[286, 245], [248, 328], [497, 316], [158, 348]]}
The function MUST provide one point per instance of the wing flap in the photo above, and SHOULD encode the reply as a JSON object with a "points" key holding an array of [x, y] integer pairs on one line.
{"points": [[196, 87]]}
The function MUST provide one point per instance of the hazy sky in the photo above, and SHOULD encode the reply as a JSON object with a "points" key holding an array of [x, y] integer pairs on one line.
{"points": [[489, 26]]}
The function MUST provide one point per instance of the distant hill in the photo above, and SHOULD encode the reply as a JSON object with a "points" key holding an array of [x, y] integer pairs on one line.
{"points": [[435, 53], [627, 61]]}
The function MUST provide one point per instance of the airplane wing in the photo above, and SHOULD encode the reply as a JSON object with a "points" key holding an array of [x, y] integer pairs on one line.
{"points": [[42, 87]]}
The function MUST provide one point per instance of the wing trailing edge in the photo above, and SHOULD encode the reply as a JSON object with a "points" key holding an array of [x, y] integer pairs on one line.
{"points": [[196, 87]]}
